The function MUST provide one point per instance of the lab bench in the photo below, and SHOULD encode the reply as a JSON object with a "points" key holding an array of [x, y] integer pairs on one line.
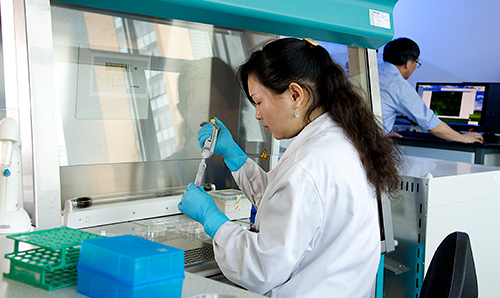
{"points": [[194, 283]]}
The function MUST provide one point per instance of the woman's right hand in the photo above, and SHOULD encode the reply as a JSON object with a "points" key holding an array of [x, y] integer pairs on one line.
{"points": [[225, 145]]}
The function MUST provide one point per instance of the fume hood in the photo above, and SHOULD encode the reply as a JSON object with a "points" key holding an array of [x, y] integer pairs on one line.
{"points": [[83, 136]]}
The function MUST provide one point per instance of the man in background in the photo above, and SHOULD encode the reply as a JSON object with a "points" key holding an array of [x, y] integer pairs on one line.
{"points": [[398, 97]]}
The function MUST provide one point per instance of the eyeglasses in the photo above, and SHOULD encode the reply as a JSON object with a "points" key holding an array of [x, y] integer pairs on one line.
{"points": [[418, 63]]}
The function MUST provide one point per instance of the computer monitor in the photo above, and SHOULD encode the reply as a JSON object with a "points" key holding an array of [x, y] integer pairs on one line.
{"points": [[490, 119], [455, 103]]}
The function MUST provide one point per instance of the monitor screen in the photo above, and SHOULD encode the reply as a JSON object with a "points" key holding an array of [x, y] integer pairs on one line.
{"points": [[454, 103], [491, 109]]}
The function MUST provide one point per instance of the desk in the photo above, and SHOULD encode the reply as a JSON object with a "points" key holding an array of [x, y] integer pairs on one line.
{"points": [[484, 154]]}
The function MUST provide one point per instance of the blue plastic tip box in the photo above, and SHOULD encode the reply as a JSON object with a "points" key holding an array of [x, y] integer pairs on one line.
{"points": [[129, 266]]}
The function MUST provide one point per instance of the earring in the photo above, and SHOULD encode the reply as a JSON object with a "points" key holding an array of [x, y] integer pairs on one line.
{"points": [[297, 113]]}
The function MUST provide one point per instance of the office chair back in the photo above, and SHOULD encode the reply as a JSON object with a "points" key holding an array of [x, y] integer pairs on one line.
{"points": [[452, 272]]}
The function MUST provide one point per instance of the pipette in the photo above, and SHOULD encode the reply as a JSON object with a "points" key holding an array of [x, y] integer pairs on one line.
{"points": [[206, 152]]}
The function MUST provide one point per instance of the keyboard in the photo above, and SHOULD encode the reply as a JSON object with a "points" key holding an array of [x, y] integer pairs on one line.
{"points": [[487, 137], [491, 138]]}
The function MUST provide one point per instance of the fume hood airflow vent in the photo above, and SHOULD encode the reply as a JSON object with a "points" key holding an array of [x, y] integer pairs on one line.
{"points": [[198, 255]]}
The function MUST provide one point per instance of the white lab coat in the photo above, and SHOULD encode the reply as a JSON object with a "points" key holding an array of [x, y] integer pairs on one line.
{"points": [[317, 222]]}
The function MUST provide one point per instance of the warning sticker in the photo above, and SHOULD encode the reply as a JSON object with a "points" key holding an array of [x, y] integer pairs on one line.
{"points": [[263, 155]]}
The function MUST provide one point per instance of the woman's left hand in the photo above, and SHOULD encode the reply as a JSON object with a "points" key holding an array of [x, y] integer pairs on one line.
{"points": [[199, 205]]}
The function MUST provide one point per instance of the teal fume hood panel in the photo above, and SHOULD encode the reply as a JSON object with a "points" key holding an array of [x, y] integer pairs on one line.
{"points": [[360, 23]]}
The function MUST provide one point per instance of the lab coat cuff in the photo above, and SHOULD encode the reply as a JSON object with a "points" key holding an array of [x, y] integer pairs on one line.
{"points": [[213, 221], [236, 159]]}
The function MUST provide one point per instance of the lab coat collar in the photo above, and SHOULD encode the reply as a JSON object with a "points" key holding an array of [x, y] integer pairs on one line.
{"points": [[315, 127]]}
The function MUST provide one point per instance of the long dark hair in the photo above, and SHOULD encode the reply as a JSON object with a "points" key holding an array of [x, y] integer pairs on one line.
{"points": [[288, 60]]}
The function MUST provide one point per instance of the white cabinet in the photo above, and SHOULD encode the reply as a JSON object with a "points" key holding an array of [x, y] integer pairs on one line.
{"points": [[436, 198]]}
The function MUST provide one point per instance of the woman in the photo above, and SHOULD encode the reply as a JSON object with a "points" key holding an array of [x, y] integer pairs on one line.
{"points": [[317, 229]]}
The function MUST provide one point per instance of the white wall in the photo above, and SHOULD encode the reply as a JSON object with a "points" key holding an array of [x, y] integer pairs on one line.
{"points": [[459, 40]]}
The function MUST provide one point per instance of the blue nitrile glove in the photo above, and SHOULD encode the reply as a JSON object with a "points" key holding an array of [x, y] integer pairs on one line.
{"points": [[200, 206], [225, 145]]}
